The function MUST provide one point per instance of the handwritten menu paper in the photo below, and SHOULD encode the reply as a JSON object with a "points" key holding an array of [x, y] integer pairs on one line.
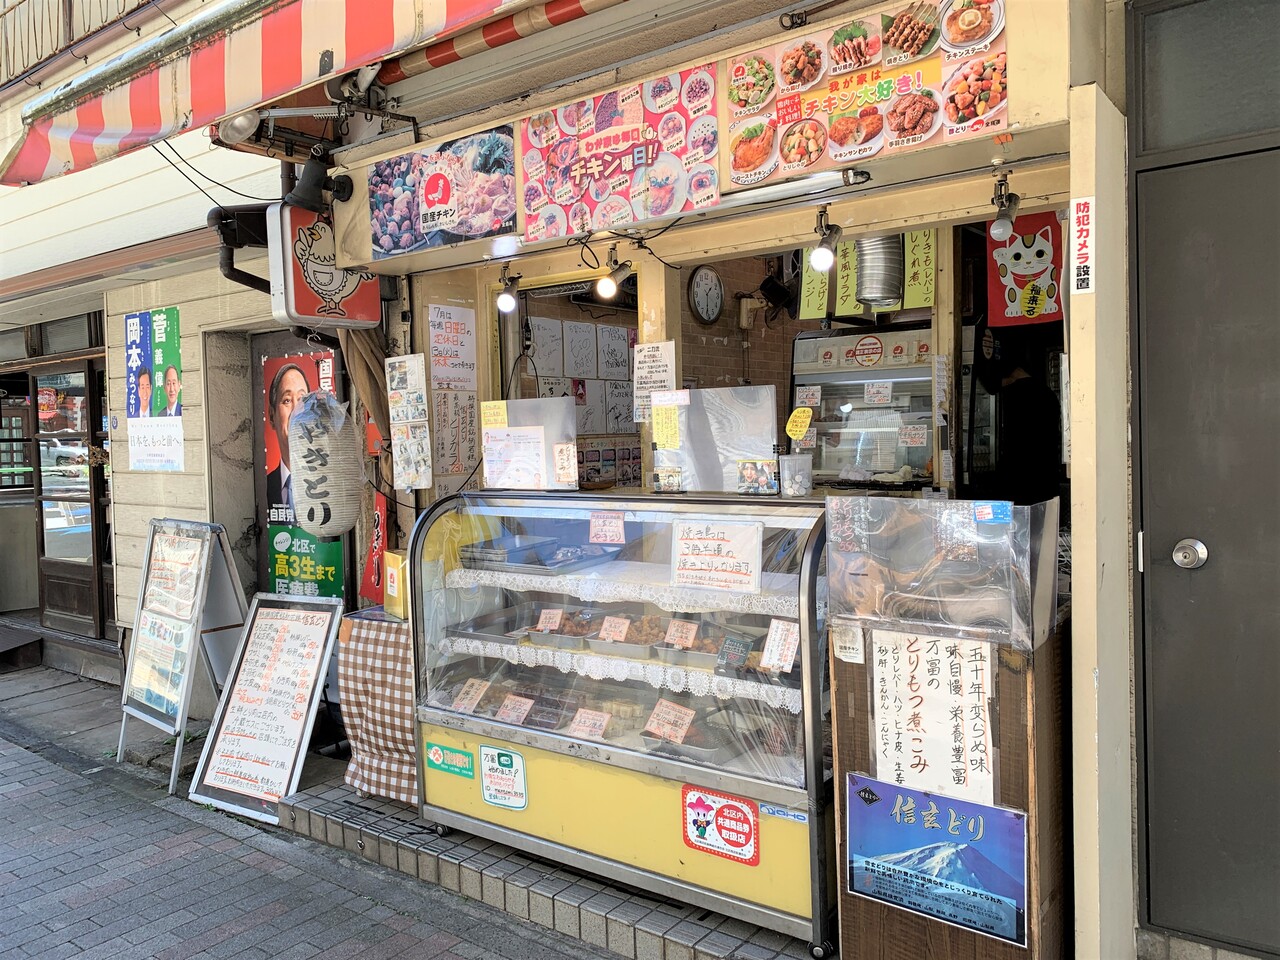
{"points": [[548, 346], [877, 392], [808, 396], [780, 646], [580, 354], [655, 369], [514, 709], [614, 349], [469, 695], [681, 633], [493, 413], [931, 713], [666, 426], [913, 435], [455, 432], [670, 721], [717, 554], [589, 724], [608, 527], [566, 463], [798, 422], [265, 716], [453, 347], [549, 620], [173, 573], [614, 629]]}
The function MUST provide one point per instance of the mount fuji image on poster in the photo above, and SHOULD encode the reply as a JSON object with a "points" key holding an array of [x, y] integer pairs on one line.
{"points": [[953, 860]]}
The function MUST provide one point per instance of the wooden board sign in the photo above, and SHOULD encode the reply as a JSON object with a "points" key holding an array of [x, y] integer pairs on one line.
{"points": [[253, 754]]}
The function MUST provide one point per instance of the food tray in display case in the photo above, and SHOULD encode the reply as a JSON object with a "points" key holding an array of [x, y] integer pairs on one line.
{"points": [[532, 724]]}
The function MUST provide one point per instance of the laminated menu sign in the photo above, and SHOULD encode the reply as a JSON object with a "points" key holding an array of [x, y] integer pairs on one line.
{"points": [[954, 860], [908, 75], [931, 704], [717, 554], [670, 721], [643, 151], [263, 721], [173, 572], [160, 656], [780, 646], [502, 778]]}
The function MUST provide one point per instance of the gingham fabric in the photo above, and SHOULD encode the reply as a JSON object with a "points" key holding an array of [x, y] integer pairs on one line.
{"points": [[375, 683]]}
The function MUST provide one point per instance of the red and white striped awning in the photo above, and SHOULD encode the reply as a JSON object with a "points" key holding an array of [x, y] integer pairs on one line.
{"points": [[218, 64]]}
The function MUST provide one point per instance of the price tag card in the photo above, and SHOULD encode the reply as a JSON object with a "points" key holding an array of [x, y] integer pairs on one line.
{"points": [[809, 441], [493, 413], [670, 721], [780, 646], [798, 422], [607, 526], [589, 724], [566, 461], [878, 392], [808, 396], [681, 633], [733, 653], [614, 629], [913, 435], [514, 709], [469, 696], [549, 621]]}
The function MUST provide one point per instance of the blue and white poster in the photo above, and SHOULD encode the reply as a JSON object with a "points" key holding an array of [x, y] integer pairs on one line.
{"points": [[153, 390], [953, 860]]}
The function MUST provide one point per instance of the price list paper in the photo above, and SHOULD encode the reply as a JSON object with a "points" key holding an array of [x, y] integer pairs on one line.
{"points": [[266, 713], [931, 702]]}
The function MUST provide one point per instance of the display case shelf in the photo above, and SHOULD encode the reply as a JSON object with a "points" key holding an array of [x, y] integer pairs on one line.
{"points": [[658, 675], [638, 581]]}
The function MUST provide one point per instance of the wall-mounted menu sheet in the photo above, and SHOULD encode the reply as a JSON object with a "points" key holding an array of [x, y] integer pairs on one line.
{"points": [[454, 432], [719, 554], [644, 151], [908, 75], [253, 754], [655, 369]]}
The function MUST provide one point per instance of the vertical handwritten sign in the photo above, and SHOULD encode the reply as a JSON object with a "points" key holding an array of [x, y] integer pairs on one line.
{"points": [[846, 271], [780, 646], [717, 554], [920, 280], [453, 347], [580, 356], [454, 432], [252, 756], [931, 705], [614, 352], [814, 289]]}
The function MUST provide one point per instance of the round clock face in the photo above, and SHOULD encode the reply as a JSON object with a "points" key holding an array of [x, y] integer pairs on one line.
{"points": [[706, 294]]}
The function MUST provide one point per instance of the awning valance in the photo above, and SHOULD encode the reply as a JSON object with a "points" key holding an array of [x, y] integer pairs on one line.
{"points": [[228, 58]]}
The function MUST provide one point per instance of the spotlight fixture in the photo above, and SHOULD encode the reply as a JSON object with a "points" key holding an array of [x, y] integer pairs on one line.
{"points": [[607, 286], [823, 255], [507, 297], [315, 178], [1006, 205], [239, 128]]}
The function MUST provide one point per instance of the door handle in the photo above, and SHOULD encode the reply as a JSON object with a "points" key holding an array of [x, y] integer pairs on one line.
{"points": [[1189, 553]]}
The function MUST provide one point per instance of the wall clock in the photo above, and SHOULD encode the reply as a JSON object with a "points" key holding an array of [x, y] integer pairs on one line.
{"points": [[706, 294]]}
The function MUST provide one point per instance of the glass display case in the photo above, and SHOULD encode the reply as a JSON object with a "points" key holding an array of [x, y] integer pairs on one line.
{"points": [[872, 398], [635, 686]]}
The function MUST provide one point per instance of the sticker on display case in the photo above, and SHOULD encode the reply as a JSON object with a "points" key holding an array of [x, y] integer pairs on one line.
{"points": [[722, 825], [607, 527], [846, 643], [993, 511], [953, 860], [667, 480], [783, 813], [502, 779], [459, 763]]}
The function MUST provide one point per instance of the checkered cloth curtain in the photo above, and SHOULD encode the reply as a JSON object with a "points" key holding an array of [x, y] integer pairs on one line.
{"points": [[375, 683]]}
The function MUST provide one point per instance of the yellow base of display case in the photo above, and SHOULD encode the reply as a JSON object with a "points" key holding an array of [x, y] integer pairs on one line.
{"points": [[624, 825]]}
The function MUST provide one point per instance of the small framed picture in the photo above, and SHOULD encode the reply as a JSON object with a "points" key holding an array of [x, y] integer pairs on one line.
{"points": [[758, 477]]}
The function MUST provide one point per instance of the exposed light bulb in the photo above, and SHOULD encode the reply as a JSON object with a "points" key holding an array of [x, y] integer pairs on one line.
{"points": [[506, 301], [606, 288], [822, 258], [239, 128]]}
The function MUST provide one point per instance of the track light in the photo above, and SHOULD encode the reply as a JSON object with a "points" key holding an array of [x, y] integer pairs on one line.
{"points": [[607, 286], [823, 256], [1006, 205], [510, 286]]}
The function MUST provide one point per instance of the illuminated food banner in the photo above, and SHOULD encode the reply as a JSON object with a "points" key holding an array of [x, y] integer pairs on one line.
{"points": [[638, 153], [917, 74], [461, 189]]}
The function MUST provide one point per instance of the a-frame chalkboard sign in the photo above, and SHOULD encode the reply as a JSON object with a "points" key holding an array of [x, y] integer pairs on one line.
{"points": [[191, 607]]}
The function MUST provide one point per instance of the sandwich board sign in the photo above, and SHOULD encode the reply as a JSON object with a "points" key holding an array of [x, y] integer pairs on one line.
{"points": [[190, 609], [253, 754]]}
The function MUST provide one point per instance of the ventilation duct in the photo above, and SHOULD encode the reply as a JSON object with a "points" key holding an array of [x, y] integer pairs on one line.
{"points": [[880, 270]]}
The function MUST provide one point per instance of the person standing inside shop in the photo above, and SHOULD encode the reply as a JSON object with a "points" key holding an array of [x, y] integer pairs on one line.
{"points": [[288, 387], [1028, 465], [172, 391]]}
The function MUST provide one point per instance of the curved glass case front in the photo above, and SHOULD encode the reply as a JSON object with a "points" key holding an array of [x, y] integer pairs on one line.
{"points": [[640, 631]]}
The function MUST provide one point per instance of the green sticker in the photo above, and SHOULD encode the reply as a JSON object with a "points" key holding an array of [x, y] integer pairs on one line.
{"points": [[460, 763]]}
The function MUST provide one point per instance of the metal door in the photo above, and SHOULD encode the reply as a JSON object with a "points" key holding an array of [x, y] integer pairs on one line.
{"points": [[1208, 269]]}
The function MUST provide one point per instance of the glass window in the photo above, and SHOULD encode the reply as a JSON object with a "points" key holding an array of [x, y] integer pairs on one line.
{"points": [[1179, 106], [64, 468], [15, 458], [13, 345], [63, 406], [68, 530], [63, 336]]}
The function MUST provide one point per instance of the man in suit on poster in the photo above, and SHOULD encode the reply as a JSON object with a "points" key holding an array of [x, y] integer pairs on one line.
{"points": [[288, 387], [172, 391]]}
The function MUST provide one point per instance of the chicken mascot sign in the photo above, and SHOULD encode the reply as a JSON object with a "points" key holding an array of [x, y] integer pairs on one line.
{"points": [[307, 285]]}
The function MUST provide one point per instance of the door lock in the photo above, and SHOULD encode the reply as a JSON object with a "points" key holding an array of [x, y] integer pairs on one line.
{"points": [[1190, 553]]}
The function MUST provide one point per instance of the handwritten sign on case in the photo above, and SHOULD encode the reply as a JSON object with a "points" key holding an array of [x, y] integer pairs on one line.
{"points": [[717, 554]]}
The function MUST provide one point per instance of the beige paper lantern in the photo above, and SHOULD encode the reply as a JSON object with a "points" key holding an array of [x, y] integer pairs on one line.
{"points": [[324, 447]]}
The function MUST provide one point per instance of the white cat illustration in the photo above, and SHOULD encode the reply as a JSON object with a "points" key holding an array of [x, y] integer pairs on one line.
{"points": [[1029, 276]]}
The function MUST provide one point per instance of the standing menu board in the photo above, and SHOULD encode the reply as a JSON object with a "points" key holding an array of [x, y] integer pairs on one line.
{"points": [[190, 607], [252, 756]]}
